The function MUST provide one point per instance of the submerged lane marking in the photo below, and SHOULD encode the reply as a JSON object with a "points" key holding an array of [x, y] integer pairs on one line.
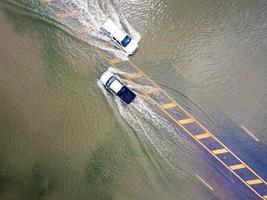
{"points": [[157, 89], [186, 121], [238, 166], [249, 133], [254, 182], [168, 106], [151, 90], [240, 178], [202, 136], [219, 151], [115, 61], [204, 182], [135, 75]]}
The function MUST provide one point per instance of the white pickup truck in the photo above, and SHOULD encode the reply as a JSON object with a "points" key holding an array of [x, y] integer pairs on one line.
{"points": [[119, 37], [111, 82]]}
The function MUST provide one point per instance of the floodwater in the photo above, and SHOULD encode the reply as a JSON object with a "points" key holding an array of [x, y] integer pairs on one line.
{"points": [[64, 137]]}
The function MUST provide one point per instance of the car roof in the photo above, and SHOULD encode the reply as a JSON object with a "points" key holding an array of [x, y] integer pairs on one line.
{"points": [[110, 26], [106, 76], [119, 35], [116, 86]]}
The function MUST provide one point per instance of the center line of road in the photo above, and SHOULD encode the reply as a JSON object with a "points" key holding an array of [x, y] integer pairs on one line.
{"points": [[249, 133]]}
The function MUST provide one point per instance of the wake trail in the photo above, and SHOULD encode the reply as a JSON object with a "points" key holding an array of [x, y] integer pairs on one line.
{"points": [[87, 16], [82, 19], [150, 123]]}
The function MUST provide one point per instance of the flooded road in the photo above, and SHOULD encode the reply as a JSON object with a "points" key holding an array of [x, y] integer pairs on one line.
{"points": [[63, 137]]}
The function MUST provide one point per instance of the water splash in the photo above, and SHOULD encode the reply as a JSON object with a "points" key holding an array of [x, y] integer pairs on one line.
{"points": [[150, 123], [82, 19], [85, 17]]}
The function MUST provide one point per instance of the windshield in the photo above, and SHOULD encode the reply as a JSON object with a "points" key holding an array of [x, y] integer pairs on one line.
{"points": [[126, 41]]}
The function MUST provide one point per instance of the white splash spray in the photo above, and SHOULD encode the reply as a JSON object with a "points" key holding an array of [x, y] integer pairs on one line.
{"points": [[149, 122], [85, 17]]}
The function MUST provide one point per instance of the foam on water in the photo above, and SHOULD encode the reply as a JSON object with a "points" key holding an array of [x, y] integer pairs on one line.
{"points": [[87, 16]]}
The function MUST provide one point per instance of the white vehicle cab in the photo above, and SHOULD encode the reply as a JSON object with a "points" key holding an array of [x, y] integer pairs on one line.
{"points": [[111, 82], [119, 37]]}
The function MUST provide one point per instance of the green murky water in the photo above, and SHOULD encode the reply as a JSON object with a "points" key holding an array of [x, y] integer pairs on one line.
{"points": [[61, 139]]}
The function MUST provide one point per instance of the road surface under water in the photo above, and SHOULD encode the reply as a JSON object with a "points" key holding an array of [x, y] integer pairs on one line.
{"points": [[64, 137]]}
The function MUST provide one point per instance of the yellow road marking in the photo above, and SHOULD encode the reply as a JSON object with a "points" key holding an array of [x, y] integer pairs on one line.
{"points": [[81, 30], [115, 61], [151, 90], [204, 182], [220, 151], [186, 121], [215, 138], [189, 133], [249, 133], [135, 75], [46, 1], [238, 166], [66, 14], [202, 136], [254, 182], [168, 105]]}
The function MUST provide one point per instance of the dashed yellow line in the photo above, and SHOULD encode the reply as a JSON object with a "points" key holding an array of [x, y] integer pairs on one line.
{"points": [[185, 111], [254, 182], [65, 14], [152, 90], [46, 1], [168, 105], [252, 189], [82, 30], [220, 151], [238, 166], [115, 61], [135, 75], [202, 136], [186, 121]]}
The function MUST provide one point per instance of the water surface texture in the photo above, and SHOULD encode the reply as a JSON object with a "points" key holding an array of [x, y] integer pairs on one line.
{"points": [[64, 137]]}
